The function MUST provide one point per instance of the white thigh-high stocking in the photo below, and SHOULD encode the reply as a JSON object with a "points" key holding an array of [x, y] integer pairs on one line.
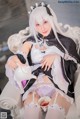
{"points": [[32, 111], [55, 112]]}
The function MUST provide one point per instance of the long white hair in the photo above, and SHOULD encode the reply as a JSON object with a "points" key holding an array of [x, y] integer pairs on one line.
{"points": [[39, 14]]}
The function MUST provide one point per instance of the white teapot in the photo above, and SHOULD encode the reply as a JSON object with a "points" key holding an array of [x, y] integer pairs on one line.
{"points": [[22, 73]]}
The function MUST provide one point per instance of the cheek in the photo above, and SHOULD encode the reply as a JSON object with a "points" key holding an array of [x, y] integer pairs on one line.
{"points": [[38, 29], [49, 26]]}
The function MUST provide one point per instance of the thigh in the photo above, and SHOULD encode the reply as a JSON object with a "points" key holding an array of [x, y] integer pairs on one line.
{"points": [[62, 102], [31, 98], [32, 112], [31, 109], [58, 107]]}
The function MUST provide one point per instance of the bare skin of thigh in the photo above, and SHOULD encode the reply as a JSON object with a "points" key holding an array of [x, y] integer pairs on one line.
{"points": [[60, 100]]}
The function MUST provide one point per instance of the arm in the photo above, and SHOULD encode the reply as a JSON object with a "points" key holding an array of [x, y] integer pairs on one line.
{"points": [[13, 62], [21, 71]]}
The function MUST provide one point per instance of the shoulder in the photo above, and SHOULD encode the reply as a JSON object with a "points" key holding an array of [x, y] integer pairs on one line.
{"points": [[30, 39], [27, 44]]}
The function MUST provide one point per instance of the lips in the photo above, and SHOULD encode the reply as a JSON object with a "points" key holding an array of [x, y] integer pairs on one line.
{"points": [[44, 32]]}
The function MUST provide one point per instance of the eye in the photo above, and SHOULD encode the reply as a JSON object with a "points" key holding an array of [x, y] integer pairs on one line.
{"points": [[37, 24], [45, 22]]}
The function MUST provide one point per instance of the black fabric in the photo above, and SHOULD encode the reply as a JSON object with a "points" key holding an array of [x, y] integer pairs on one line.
{"points": [[41, 70], [46, 72], [31, 82], [70, 45], [70, 73], [48, 11], [29, 57], [67, 42], [8, 113], [55, 85], [31, 38], [21, 58], [37, 71], [64, 71], [70, 68], [71, 90]]}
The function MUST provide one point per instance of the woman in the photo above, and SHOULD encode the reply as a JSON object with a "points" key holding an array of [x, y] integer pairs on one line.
{"points": [[53, 59]]}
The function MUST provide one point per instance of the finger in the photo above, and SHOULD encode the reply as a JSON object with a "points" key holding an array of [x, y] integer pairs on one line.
{"points": [[46, 64], [44, 58], [49, 67], [45, 67], [43, 64]]}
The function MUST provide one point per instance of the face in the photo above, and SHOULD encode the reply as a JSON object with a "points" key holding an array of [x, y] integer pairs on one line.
{"points": [[44, 28]]}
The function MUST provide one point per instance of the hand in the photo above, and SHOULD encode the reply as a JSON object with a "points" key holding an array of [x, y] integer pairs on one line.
{"points": [[13, 62], [48, 60]]}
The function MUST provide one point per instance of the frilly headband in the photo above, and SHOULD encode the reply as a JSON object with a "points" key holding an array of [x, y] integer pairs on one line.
{"points": [[39, 5]]}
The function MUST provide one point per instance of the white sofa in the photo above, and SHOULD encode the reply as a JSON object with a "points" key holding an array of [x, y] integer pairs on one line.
{"points": [[10, 97]]}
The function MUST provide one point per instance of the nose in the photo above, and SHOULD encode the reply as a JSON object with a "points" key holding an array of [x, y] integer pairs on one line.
{"points": [[42, 27]]}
